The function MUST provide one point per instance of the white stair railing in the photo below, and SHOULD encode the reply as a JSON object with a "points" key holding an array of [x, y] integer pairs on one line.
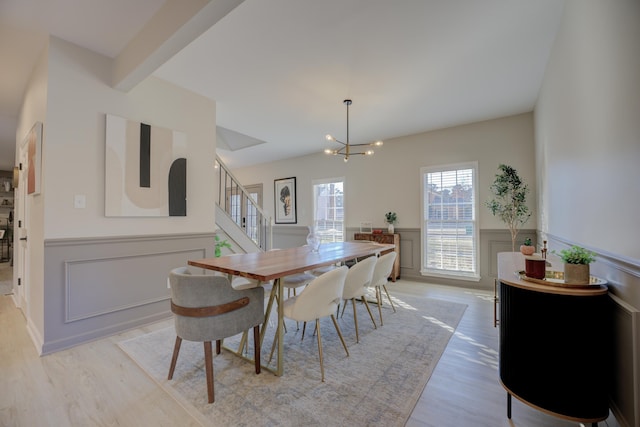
{"points": [[234, 199]]}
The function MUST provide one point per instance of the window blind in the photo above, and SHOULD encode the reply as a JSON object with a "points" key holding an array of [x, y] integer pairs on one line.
{"points": [[449, 228], [328, 211]]}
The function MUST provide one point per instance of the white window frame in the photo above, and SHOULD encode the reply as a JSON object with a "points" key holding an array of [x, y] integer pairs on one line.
{"points": [[473, 275], [339, 236]]}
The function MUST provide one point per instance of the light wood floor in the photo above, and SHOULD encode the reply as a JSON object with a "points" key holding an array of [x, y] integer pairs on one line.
{"points": [[96, 384]]}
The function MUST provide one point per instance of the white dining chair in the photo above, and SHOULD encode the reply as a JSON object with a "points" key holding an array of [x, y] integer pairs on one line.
{"points": [[319, 299], [381, 273], [355, 286]]}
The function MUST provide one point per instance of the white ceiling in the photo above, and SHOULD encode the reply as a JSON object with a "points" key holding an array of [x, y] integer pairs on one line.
{"points": [[280, 69]]}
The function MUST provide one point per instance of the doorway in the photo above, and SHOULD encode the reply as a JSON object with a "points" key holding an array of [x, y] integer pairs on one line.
{"points": [[243, 211], [21, 249], [6, 232]]}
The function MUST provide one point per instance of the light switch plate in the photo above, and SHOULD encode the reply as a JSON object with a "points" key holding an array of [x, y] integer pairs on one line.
{"points": [[79, 201]]}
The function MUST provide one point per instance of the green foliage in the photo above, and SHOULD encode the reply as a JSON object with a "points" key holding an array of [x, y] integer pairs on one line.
{"points": [[509, 201], [219, 245], [390, 217], [576, 255], [527, 241]]}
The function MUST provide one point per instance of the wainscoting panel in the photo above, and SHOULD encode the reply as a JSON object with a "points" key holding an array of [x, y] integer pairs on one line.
{"points": [[626, 366], [289, 236], [623, 279], [491, 242], [95, 287], [407, 249]]}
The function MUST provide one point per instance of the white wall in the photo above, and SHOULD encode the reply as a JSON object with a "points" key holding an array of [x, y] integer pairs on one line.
{"points": [[70, 93], [587, 124], [390, 180], [79, 98], [34, 109]]}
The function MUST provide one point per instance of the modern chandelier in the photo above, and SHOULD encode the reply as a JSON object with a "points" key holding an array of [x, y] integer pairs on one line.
{"points": [[346, 149]]}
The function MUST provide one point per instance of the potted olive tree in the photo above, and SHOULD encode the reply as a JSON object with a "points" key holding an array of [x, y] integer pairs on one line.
{"points": [[576, 264], [509, 201]]}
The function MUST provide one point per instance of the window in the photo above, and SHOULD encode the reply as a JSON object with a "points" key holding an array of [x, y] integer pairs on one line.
{"points": [[449, 228], [328, 209]]}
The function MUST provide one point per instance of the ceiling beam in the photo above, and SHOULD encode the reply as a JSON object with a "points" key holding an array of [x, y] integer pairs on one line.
{"points": [[176, 24]]}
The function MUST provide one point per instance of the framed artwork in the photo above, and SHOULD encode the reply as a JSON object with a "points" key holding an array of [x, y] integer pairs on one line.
{"points": [[34, 154], [145, 170], [285, 200]]}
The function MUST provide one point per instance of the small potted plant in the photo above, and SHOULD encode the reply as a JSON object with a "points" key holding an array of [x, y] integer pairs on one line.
{"points": [[219, 245], [576, 264], [390, 218], [527, 248]]}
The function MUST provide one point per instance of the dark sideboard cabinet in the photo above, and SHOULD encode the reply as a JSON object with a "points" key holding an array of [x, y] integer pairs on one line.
{"points": [[554, 346]]}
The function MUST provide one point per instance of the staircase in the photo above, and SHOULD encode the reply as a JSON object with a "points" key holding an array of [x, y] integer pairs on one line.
{"points": [[238, 215]]}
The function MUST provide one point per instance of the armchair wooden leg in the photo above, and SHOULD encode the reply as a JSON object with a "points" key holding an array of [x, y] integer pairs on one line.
{"points": [[256, 347], [208, 364], [218, 346], [174, 359]]}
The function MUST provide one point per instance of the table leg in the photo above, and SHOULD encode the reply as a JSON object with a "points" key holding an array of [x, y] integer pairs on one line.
{"points": [[276, 295], [267, 313], [280, 368], [275, 291]]}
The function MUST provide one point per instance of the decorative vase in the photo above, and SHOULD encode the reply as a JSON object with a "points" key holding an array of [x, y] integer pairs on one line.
{"points": [[527, 250], [390, 229], [313, 240], [577, 274]]}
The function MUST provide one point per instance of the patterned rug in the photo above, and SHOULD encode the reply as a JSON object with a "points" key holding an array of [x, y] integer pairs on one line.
{"points": [[377, 385]]}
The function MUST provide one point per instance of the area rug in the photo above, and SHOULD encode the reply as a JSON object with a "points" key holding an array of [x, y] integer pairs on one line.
{"points": [[377, 385]]}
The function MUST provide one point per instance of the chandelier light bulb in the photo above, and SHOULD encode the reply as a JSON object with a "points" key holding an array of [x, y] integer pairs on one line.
{"points": [[329, 137], [369, 152], [378, 143]]}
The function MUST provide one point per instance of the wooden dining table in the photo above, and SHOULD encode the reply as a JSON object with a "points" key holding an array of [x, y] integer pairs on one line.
{"points": [[274, 265]]}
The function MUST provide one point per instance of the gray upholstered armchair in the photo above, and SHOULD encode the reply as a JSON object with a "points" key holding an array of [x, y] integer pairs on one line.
{"points": [[207, 308]]}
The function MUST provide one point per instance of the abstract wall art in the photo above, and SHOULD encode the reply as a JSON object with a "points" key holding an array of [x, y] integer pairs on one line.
{"points": [[34, 154], [145, 169]]}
